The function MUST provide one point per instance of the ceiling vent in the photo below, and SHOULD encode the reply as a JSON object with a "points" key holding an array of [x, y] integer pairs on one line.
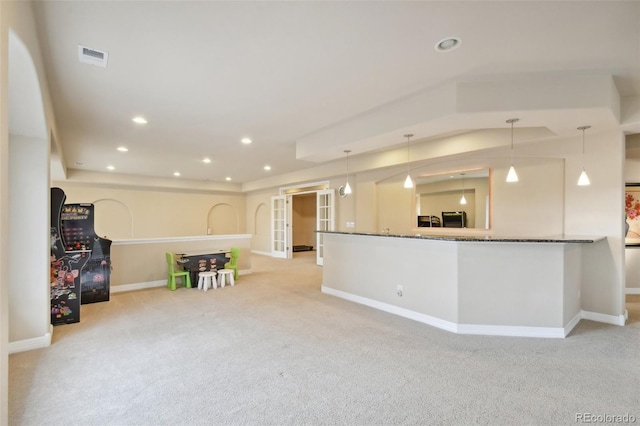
{"points": [[91, 56]]}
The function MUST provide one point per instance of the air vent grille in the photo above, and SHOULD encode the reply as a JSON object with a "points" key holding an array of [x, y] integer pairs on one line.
{"points": [[88, 55]]}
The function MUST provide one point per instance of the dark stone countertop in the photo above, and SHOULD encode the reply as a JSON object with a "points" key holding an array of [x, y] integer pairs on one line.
{"points": [[483, 238]]}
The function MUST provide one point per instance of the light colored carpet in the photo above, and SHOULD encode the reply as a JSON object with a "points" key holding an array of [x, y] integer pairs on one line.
{"points": [[273, 350]]}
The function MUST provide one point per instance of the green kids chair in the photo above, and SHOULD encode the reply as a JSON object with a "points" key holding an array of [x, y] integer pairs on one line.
{"points": [[233, 262], [173, 274]]}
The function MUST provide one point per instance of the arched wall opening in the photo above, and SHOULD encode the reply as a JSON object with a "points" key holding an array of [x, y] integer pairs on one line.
{"points": [[113, 219], [261, 228], [223, 219]]}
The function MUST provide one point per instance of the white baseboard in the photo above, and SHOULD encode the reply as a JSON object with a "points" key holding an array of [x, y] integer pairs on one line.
{"points": [[480, 329], [574, 321], [416, 316], [520, 331], [632, 290], [511, 331], [33, 343], [137, 286], [261, 253], [605, 318]]}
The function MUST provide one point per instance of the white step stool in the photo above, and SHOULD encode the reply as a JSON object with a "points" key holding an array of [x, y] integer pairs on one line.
{"points": [[222, 273], [206, 279]]}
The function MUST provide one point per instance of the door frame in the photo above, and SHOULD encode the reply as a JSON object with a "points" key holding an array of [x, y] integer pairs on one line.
{"points": [[286, 193]]}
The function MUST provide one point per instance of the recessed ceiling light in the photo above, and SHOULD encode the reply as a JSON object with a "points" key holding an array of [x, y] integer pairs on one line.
{"points": [[176, 173], [206, 160], [139, 120], [246, 141], [267, 168], [227, 178], [448, 44], [110, 168], [123, 149]]}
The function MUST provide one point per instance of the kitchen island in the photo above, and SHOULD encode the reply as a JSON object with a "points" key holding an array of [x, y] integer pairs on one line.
{"points": [[471, 284]]}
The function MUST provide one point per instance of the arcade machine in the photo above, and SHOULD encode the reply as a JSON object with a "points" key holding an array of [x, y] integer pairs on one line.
{"points": [[66, 267], [78, 234]]}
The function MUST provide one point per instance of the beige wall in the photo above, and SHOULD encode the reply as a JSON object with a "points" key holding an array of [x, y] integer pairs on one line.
{"points": [[259, 219], [145, 213], [533, 206], [142, 262]]}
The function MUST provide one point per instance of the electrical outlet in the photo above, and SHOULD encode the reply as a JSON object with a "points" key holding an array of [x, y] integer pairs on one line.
{"points": [[399, 290]]}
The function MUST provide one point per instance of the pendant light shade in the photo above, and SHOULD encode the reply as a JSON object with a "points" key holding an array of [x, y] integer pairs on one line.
{"points": [[463, 200], [512, 176], [347, 187], [408, 183], [583, 180]]}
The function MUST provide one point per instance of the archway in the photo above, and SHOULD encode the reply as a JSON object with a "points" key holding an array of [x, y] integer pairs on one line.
{"points": [[26, 226], [261, 229], [223, 219], [113, 219]]}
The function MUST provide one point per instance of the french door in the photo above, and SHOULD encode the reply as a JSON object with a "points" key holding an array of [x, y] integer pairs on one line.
{"points": [[325, 219], [281, 206], [280, 226]]}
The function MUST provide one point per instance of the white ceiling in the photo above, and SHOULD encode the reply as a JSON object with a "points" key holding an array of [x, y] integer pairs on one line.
{"points": [[206, 74]]}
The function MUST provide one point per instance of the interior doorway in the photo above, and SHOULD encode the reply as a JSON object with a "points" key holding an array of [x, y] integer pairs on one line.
{"points": [[282, 241], [303, 222]]}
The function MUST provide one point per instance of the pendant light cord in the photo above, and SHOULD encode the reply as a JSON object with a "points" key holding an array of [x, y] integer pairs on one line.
{"points": [[583, 128], [512, 143], [408, 136], [408, 153], [511, 121], [347, 151]]}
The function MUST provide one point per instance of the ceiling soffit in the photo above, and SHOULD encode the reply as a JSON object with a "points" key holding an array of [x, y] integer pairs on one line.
{"points": [[560, 103]]}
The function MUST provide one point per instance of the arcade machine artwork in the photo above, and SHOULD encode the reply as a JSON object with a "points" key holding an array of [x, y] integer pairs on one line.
{"points": [[80, 260]]}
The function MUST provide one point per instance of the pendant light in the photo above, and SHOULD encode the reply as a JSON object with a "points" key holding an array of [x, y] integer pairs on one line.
{"points": [[583, 180], [512, 176], [463, 200], [347, 187], [408, 183]]}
